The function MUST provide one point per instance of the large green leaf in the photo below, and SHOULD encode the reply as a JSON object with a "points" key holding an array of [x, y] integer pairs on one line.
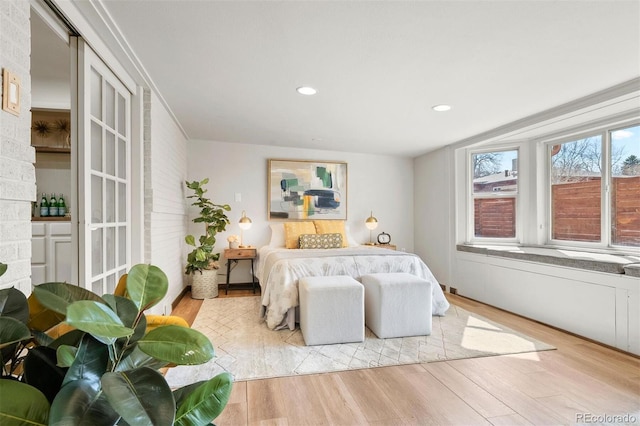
{"points": [[91, 362], [58, 296], [128, 314], [146, 285], [3, 268], [21, 404], [65, 355], [72, 338], [13, 303], [180, 345], [81, 403], [136, 359], [140, 396], [42, 372], [201, 402], [12, 331], [98, 320]]}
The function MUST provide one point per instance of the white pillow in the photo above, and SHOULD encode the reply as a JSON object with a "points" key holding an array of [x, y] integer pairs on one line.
{"points": [[350, 241], [277, 234]]}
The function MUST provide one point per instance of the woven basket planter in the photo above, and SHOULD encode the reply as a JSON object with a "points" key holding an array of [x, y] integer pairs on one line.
{"points": [[205, 285]]}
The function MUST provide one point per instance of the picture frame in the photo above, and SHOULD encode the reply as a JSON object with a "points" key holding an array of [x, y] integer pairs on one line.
{"points": [[306, 190], [10, 92]]}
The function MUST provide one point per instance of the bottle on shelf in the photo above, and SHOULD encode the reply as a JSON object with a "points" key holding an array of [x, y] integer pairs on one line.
{"points": [[44, 206], [62, 207], [53, 206]]}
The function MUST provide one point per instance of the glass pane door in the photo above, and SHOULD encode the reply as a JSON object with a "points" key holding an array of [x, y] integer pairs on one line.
{"points": [[104, 173]]}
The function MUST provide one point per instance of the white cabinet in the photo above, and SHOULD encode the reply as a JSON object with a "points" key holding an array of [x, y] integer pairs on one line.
{"points": [[51, 252]]}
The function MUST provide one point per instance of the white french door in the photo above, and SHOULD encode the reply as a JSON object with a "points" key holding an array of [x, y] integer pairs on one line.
{"points": [[104, 174]]}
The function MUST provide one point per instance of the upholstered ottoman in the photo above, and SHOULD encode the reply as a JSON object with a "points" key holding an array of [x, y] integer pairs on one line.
{"points": [[397, 304], [331, 310]]}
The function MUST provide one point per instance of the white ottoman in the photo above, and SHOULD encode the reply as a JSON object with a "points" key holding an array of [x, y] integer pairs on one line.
{"points": [[397, 304], [331, 310]]}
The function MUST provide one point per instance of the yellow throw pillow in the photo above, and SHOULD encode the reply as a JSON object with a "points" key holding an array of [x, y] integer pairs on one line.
{"points": [[332, 227], [293, 230]]}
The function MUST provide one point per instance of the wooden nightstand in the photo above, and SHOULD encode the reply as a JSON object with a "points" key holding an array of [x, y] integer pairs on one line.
{"points": [[236, 255], [387, 246]]}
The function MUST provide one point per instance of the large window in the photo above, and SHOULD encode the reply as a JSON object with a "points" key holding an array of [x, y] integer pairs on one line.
{"points": [[494, 193], [595, 186]]}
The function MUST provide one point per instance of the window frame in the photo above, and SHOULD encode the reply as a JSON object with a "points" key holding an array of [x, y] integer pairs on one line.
{"points": [[604, 131], [472, 196]]}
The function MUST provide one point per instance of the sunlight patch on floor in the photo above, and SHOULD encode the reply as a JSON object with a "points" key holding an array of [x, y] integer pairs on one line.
{"points": [[482, 336]]}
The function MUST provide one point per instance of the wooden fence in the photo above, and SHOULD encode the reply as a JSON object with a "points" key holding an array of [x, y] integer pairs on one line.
{"points": [[576, 212], [495, 217]]}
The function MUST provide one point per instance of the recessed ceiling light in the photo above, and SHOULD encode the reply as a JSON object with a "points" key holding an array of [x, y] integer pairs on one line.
{"points": [[306, 90], [441, 108]]}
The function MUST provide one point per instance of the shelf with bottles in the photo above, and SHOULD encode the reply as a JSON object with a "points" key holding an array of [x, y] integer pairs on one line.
{"points": [[52, 208]]}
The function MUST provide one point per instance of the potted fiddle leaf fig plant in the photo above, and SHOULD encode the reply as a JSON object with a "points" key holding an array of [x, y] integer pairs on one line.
{"points": [[202, 262], [97, 363]]}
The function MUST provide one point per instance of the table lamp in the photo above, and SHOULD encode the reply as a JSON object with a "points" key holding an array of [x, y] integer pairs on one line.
{"points": [[371, 223], [244, 223]]}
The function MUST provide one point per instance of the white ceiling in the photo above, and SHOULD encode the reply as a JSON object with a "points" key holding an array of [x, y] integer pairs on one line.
{"points": [[229, 69]]}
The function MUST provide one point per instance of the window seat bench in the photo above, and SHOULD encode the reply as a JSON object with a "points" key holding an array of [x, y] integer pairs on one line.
{"points": [[599, 262]]}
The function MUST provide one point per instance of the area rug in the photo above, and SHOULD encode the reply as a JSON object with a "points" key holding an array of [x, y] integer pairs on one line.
{"points": [[247, 349]]}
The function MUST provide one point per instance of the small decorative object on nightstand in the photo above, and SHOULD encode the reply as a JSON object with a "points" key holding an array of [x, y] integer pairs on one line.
{"points": [[234, 256], [384, 238]]}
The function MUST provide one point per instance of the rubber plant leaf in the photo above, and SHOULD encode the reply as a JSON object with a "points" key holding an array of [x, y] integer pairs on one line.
{"points": [[81, 403], [90, 363], [98, 320], [140, 396], [146, 285], [12, 331], [58, 296], [200, 403], [25, 406], [42, 372], [65, 355], [13, 303], [176, 344], [136, 359], [128, 314]]}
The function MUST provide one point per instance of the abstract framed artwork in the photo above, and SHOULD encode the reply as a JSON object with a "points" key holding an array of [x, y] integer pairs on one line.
{"points": [[307, 189]]}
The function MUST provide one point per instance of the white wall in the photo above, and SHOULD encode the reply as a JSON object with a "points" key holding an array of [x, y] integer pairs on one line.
{"points": [[383, 184], [17, 175], [601, 306], [165, 152], [434, 212]]}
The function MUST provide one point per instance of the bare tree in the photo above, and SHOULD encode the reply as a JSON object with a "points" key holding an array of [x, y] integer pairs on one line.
{"points": [[580, 160], [485, 164]]}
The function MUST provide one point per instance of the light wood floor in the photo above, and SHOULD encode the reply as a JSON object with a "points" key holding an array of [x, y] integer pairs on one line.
{"points": [[564, 386]]}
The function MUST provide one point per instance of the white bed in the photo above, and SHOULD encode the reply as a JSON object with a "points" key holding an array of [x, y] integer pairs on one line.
{"points": [[279, 269]]}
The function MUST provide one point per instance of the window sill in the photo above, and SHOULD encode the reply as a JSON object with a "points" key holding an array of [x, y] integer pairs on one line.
{"points": [[599, 262]]}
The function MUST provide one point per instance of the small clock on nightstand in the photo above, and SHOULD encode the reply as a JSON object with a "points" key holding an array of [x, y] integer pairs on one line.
{"points": [[384, 238]]}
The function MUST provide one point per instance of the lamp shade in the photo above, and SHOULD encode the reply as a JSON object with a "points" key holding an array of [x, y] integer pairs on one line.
{"points": [[244, 222], [371, 223]]}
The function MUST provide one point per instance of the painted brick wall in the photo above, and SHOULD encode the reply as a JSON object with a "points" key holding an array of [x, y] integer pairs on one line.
{"points": [[17, 172], [165, 150]]}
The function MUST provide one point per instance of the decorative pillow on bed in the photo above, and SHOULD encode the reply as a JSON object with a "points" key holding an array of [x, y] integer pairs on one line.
{"points": [[293, 230], [332, 227], [277, 234], [320, 241]]}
